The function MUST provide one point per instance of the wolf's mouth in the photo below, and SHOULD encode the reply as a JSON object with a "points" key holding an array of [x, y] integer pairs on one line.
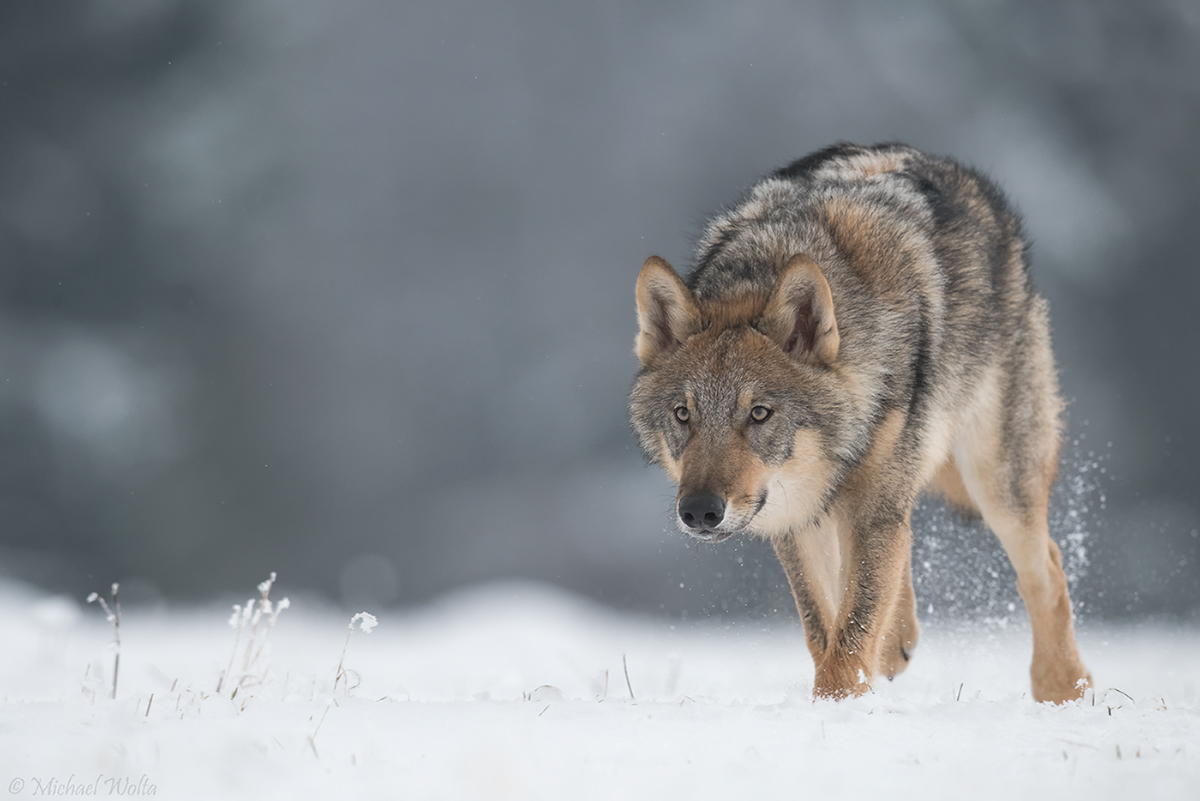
{"points": [[710, 536], [759, 503]]}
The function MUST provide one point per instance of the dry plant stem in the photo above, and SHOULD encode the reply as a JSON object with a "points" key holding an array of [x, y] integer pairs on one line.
{"points": [[116, 635], [627, 684], [264, 606], [113, 617], [1122, 692], [247, 618], [237, 614], [338, 676], [312, 740], [366, 622], [278, 607], [250, 640]]}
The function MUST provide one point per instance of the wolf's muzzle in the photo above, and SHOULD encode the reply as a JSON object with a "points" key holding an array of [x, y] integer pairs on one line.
{"points": [[701, 512]]}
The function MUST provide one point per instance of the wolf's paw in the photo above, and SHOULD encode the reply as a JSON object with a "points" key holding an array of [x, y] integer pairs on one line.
{"points": [[840, 677], [895, 657], [829, 691], [1060, 683], [897, 648]]}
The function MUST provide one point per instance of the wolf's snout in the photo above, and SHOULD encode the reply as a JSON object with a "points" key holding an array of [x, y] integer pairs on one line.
{"points": [[700, 511]]}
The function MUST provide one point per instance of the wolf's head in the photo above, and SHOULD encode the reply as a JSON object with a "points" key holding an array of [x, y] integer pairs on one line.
{"points": [[738, 399]]}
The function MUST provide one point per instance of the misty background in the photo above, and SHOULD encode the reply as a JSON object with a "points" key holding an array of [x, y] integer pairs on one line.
{"points": [[346, 291]]}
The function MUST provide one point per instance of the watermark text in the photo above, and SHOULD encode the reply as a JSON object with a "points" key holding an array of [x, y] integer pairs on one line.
{"points": [[101, 785]]}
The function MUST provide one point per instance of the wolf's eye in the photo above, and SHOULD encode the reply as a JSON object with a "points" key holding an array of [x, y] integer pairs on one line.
{"points": [[681, 414], [759, 414]]}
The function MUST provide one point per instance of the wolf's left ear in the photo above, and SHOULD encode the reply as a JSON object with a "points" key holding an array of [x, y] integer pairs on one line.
{"points": [[799, 315], [667, 312]]}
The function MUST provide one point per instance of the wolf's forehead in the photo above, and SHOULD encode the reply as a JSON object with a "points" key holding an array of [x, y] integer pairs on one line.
{"points": [[716, 390], [726, 385], [725, 366]]}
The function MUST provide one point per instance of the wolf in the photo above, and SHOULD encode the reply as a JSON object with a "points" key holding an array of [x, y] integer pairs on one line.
{"points": [[860, 327]]}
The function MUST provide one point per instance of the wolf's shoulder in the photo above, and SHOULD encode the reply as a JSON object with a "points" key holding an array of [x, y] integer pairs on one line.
{"points": [[849, 163], [890, 180]]}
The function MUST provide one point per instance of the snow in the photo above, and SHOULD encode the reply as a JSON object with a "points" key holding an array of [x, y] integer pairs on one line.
{"points": [[520, 691]]}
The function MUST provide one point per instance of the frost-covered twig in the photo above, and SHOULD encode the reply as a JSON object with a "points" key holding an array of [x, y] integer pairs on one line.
{"points": [[249, 616], [113, 616], [264, 607], [237, 621], [273, 616], [367, 623]]}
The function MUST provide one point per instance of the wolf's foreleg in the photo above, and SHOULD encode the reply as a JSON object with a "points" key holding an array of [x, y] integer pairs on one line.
{"points": [[812, 561], [853, 590], [875, 553]]}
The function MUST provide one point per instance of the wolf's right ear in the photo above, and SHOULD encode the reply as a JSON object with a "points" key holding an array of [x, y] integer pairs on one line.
{"points": [[667, 311]]}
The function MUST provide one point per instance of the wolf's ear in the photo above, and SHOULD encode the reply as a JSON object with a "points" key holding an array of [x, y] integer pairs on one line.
{"points": [[799, 315], [667, 312]]}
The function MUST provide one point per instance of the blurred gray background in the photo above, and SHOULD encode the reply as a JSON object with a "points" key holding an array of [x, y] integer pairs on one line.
{"points": [[345, 290]]}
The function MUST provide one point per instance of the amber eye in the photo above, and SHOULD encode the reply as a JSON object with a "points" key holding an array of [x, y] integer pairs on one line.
{"points": [[681, 414], [759, 414]]}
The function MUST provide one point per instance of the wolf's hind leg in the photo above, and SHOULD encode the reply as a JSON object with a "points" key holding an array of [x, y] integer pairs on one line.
{"points": [[1057, 672], [1007, 453]]}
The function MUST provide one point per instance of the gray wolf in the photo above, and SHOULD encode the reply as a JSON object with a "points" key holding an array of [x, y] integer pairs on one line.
{"points": [[859, 327]]}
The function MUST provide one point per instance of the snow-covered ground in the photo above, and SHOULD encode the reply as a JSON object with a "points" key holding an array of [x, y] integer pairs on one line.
{"points": [[519, 691]]}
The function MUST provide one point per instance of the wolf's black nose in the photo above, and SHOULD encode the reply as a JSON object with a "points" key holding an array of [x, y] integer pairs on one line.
{"points": [[701, 510]]}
